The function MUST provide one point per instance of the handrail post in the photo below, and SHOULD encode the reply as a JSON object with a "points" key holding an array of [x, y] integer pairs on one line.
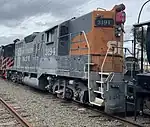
{"points": [[88, 63], [103, 66]]}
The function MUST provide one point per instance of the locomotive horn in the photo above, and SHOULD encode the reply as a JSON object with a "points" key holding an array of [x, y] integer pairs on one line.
{"points": [[16, 40], [120, 7]]}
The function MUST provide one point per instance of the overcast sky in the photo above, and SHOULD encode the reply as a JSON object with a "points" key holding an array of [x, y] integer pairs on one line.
{"points": [[19, 18]]}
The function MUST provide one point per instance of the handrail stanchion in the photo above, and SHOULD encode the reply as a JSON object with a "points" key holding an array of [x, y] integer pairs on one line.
{"points": [[88, 63], [102, 68]]}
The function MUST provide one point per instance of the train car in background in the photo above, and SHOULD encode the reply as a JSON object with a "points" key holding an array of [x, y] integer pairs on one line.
{"points": [[7, 54], [129, 62]]}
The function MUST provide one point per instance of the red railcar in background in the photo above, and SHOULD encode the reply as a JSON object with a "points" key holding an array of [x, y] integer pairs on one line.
{"points": [[7, 54]]}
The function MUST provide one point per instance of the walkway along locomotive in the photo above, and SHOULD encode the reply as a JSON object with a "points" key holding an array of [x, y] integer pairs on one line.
{"points": [[80, 59]]}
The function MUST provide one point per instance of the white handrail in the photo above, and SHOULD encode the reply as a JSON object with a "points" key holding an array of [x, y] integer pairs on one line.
{"points": [[112, 76], [88, 63], [102, 68]]}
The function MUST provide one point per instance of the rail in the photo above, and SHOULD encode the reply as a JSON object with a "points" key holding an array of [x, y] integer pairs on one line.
{"points": [[15, 114], [115, 117], [88, 63]]}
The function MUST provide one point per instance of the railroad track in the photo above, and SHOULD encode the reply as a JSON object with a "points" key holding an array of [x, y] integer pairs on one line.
{"points": [[142, 121], [9, 115]]}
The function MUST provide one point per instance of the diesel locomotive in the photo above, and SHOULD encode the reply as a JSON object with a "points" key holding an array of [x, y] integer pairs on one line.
{"points": [[80, 59], [7, 54]]}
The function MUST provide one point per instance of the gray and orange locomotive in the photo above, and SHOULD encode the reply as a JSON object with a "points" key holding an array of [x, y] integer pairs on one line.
{"points": [[79, 59]]}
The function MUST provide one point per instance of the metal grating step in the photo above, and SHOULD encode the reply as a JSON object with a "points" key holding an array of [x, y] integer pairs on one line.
{"points": [[96, 91], [104, 73], [98, 102], [59, 91], [90, 63], [99, 82]]}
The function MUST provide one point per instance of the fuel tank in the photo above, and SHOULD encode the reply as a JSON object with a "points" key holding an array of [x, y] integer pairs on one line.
{"points": [[33, 82]]}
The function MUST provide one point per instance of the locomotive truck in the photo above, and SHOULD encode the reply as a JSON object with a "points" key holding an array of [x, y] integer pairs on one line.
{"points": [[79, 59]]}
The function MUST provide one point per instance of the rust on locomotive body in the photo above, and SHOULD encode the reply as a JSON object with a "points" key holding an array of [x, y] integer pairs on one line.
{"points": [[106, 34]]}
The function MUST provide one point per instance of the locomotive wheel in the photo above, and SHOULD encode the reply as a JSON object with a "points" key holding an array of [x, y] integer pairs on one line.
{"points": [[85, 98], [54, 88], [13, 78], [68, 94], [147, 103]]}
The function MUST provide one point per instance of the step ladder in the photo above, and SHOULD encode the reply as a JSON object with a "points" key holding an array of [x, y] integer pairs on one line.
{"points": [[99, 101], [134, 102], [101, 82], [106, 77], [103, 78]]}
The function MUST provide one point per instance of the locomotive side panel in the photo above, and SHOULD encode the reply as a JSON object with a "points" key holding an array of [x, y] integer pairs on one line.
{"points": [[76, 63], [56, 59], [18, 50], [27, 60], [78, 44], [63, 66], [23, 56], [27, 52], [49, 50]]}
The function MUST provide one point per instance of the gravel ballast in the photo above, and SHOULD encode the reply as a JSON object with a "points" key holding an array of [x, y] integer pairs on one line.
{"points": [[51, 111]]}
